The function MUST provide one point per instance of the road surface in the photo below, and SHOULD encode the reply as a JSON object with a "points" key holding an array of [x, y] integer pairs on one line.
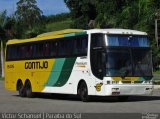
{"points": [[11, 102]]}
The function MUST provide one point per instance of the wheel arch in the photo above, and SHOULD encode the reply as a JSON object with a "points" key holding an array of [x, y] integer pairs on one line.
{"points": [[79, 83]]}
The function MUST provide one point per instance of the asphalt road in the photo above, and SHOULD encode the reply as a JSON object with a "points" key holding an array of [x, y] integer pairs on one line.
{"points": [[10, 102]]}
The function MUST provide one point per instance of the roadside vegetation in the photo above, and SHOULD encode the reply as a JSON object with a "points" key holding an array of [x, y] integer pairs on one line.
{"points": [[157, 72], [59, 25], [1, 78]]}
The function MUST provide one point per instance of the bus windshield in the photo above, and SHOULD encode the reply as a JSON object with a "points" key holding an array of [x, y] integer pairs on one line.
{"points": [[128, 62]]}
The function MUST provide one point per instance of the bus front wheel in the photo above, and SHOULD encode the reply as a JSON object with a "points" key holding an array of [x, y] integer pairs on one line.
{"points": [[83, 92], [28, 88], [21, 89]]}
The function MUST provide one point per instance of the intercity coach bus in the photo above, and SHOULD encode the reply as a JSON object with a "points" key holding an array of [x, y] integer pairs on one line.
{"points": [[96, 62]]}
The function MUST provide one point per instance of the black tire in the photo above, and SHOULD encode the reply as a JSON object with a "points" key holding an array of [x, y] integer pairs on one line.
{"points": [[21, 89], [28, 88], [123, 98], [83, 92]]}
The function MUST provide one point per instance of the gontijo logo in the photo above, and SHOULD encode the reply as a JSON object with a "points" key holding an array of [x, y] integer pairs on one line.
{"points": [[36, 65], [98, 86]]}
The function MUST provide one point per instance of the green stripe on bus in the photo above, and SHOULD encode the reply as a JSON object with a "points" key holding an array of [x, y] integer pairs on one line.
{"points": [[69, 35], [55, 72], [80, 33], [74, 34], [66, 72]]}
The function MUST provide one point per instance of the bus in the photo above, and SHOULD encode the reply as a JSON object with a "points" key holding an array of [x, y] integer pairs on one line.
{"points": [[96, 62]]}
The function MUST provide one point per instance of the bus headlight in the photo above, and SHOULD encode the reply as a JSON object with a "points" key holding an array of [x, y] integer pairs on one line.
{"points": [[115, 82]]}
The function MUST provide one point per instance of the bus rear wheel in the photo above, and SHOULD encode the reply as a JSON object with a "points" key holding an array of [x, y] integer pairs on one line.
{"points": [[21, 89], [83, 92], [28, 88]]}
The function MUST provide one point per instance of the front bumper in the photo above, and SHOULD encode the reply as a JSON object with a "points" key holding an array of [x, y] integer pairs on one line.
{"points": [[114, 90]]}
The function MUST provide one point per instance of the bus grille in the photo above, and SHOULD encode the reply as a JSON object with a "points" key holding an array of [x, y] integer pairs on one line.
{"points": [[132, 82]]}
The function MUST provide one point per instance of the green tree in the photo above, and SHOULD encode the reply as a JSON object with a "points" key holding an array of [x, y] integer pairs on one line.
{"points": [[102, 11], [29, 22], [5, 34], [6, 26], [82, 11], [3, 18], [28, 13]]}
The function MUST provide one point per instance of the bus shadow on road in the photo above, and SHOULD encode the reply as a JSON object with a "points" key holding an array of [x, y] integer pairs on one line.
{"points": [[109, 99], [64, 97], [130, 99], [143, 98]]}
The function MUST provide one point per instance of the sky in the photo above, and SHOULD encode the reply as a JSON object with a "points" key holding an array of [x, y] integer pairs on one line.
{"points": [[48, 7]]}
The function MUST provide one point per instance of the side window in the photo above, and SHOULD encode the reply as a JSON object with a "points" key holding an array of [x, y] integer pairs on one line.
{"points": [[61, 48], [97, 40], [9, 54], [84, 44], [21, 50], [65, 47], [16, 52], [29, 51], [53, 49], [13, 52], [39, 50], [80, 45], [47, 49]]}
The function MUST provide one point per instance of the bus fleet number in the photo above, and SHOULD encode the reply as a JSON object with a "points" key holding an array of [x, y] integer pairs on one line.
{"points": [[10, 66]]}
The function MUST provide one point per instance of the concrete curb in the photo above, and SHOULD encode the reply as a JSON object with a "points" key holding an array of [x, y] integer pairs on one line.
{"points": [[156, 87]]}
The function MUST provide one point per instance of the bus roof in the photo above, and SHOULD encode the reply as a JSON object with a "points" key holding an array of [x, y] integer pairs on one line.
{"points": [[74, 32], [61, 32], [49, 35], [117, 31]]}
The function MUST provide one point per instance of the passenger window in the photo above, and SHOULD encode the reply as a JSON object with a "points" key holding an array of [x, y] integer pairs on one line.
{"points": [[53, 49], [47, 49], [80, 45], [29, 51]]}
